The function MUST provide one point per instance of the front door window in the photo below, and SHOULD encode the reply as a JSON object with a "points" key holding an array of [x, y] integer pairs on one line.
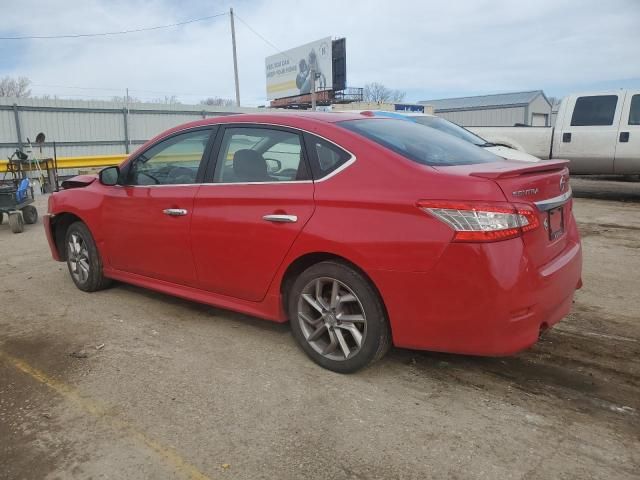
{"points": [[174, 161]]}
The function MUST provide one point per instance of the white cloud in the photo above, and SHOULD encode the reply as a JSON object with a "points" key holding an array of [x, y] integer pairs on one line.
{"points": [[427, 48]]}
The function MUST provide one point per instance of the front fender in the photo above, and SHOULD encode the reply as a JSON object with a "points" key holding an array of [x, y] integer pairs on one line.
{"points": [[67, 206]]}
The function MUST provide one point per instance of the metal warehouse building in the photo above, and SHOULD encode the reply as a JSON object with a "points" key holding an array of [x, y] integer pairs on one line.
{"points": [[501, 110]]}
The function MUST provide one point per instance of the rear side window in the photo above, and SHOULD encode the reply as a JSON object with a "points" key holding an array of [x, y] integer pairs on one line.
{"points": [[596, 110], [328, 157], [421, 144], [634, 110]]}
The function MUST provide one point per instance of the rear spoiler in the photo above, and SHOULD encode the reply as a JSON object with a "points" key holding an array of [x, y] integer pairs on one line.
{"points": [[509, 171], [79, 181]]}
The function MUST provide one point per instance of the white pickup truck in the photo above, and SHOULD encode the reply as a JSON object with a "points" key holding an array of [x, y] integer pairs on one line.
{"points": [[598, 132]]}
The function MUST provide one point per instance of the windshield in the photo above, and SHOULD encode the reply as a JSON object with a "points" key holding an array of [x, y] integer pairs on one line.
{"points": [[427, 146], [451, 128]]}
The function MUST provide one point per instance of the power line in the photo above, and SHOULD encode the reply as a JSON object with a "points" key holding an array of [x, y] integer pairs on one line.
{"points": [[123, 32], [75, 87], [118, 89], [169, 92], [55, 96], [105, 34], [258, 35]]}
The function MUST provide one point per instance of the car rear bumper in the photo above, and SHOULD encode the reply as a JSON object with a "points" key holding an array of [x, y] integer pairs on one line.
{"points": [[480, 299], [46, 221]]}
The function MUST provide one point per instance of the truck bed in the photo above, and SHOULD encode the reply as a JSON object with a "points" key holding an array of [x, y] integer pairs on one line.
{"points": [[533, 140]]}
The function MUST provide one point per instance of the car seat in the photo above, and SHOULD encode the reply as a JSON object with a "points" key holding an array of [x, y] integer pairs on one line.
{"points": [[250, 166]]}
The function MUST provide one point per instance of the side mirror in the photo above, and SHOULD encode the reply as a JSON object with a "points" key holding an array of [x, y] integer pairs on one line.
{"points": [[109, 176], [273, 165]]}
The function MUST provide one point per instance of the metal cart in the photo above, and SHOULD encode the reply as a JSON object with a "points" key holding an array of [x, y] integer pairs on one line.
{"points": [[16, 197], [15, 203]]}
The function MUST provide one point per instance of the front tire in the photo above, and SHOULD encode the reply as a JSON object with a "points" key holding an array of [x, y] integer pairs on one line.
{"points": [[338, 318], [83, 259]]}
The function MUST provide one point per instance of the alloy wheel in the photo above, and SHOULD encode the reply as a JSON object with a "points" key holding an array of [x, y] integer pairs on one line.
{"points": [[332, 318], [78, 256]]}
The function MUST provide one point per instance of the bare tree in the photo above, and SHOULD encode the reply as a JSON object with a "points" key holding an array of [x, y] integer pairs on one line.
{"points": [[217, 102], [398, 96], [46, 96], [167, 100], [15, 87], [123, 99], [554, 100], [377, 93]]}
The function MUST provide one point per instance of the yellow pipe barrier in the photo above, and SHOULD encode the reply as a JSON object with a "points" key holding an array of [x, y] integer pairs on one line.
{"points": [[81, 162], [102, 161]]}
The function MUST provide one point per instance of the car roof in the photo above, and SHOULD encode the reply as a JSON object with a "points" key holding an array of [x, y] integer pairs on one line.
{"points": [[301, 119], [399, 114], [324, 117], [294, 119]]}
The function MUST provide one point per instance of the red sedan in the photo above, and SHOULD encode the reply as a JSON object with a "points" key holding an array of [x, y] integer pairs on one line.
{"points": [[360, 231]]}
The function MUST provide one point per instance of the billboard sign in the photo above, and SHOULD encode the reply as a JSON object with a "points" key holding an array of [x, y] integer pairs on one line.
{"points": [[289, 73]]}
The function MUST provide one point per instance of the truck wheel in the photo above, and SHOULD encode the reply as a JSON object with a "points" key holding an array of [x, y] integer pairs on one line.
{"points": [[30, 214], [16, 222], [83, 259], [338, 318]]}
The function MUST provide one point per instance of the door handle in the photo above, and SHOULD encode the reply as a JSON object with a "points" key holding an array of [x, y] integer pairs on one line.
{"points": [[566, 137], [174, 212], [280, 218], [624, 137]]}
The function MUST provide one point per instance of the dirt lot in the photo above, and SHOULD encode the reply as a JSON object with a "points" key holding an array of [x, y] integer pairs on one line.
{"points": [[126, 383]]}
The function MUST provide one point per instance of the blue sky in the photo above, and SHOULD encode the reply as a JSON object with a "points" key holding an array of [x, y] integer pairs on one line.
{"points": [[428, 49]]}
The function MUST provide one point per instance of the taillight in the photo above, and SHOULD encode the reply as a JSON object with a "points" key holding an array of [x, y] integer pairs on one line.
{"points": [[482, 222]]}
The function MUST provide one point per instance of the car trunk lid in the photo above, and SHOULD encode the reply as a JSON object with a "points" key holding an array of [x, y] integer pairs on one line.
{"points": [[543, 186]]}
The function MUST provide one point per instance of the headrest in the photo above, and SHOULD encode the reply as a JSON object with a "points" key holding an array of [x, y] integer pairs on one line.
{"points": [[249, 166]]}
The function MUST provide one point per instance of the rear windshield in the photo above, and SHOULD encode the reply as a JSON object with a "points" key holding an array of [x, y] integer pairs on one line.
{"points": [[419, 143], [451, 128]]}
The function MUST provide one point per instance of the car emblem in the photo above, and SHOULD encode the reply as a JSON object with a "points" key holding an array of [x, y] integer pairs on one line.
{"points": [[523, 193], [563, 183]]}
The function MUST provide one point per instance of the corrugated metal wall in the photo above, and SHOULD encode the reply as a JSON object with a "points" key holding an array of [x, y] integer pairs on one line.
{"points": [[7, 126], [490, 117], [146, 126], [92, 127]]}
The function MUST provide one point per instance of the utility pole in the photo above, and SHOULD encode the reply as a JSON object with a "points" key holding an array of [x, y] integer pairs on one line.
{"points": [[313, 88], [127, 143], [235, 57]]}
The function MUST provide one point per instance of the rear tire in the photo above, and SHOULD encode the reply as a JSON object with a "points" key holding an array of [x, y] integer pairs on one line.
{"points": [[30, 214], [337, 317], [16, 222], [83, 259]]}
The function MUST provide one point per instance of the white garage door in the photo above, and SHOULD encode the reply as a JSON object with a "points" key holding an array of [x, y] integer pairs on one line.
{"points": [[539, 120]]}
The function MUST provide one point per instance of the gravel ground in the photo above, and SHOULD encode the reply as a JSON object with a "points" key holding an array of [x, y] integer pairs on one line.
{"points": [[127, 383]]}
